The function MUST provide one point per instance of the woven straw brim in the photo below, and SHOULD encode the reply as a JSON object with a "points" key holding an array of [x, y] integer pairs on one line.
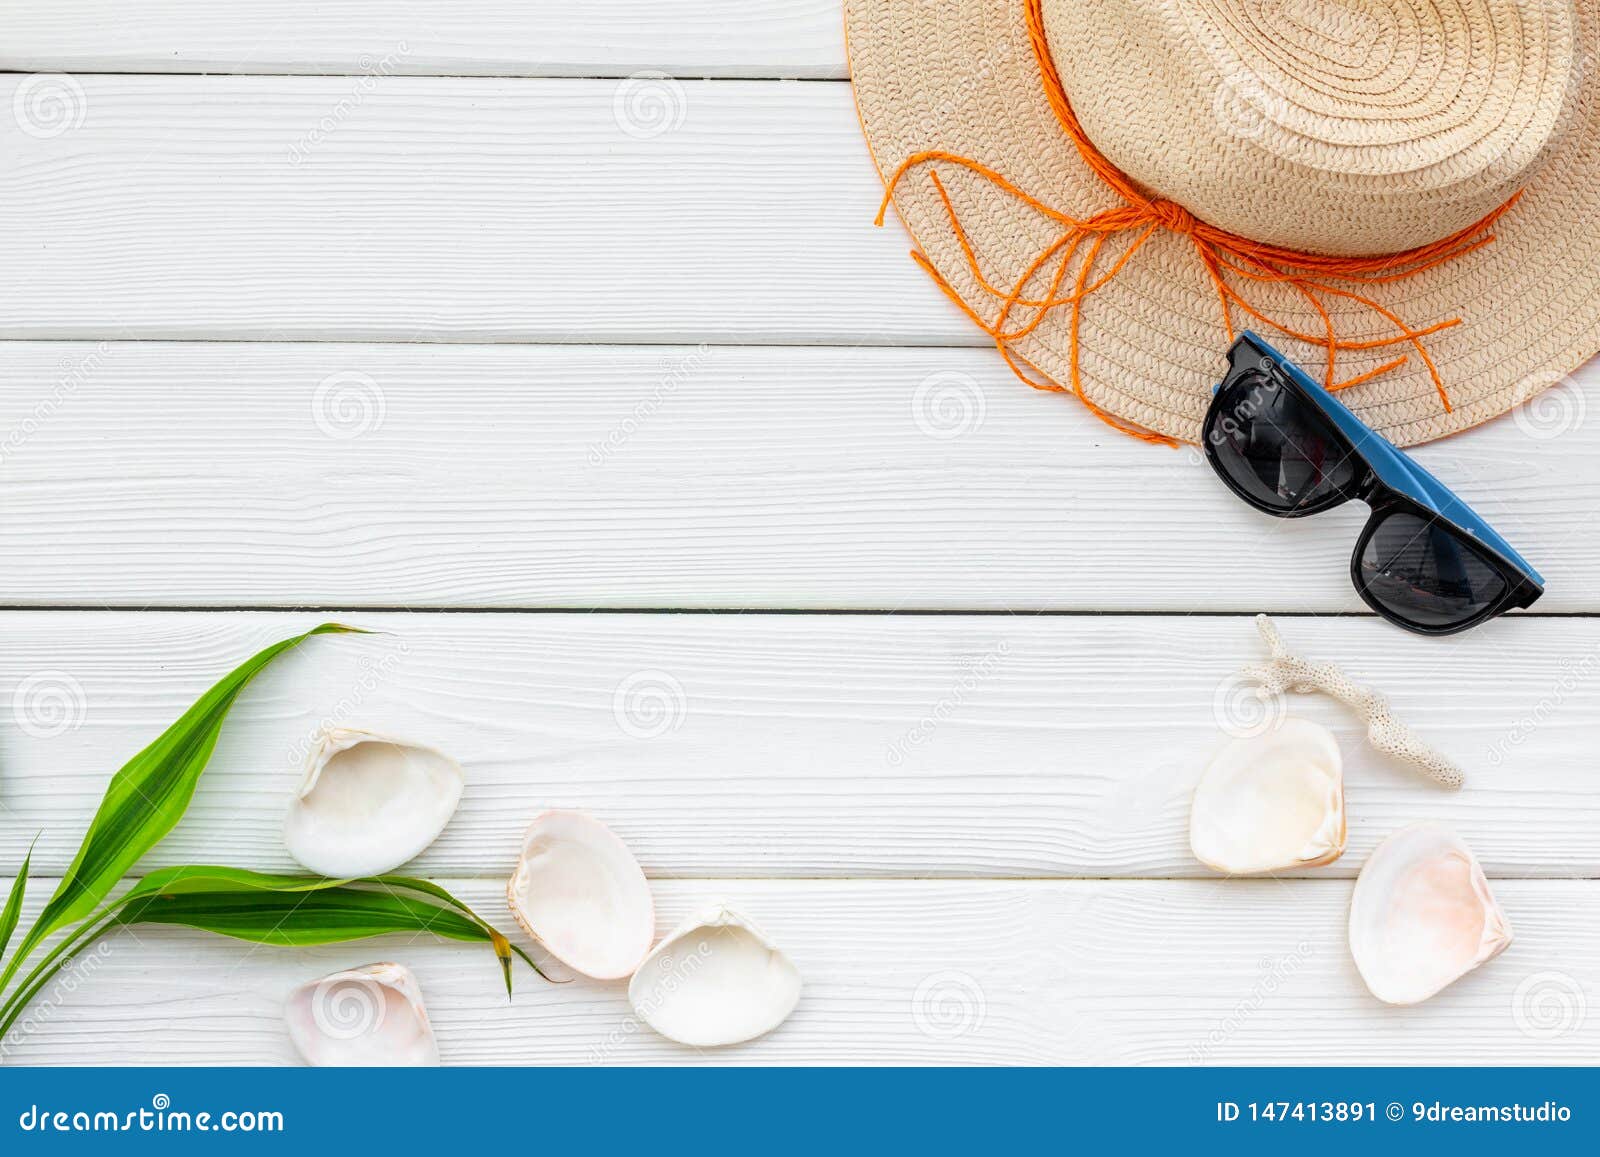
{"points": [[960, 76]]}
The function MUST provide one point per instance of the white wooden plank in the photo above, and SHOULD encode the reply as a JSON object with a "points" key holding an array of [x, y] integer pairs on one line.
{"points": [[450, 209], [800, 746], [910, 972], [331, 474], [774, 38]]}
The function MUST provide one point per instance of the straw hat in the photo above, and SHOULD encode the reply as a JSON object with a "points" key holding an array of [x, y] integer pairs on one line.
{"points": [[1108, 186]]}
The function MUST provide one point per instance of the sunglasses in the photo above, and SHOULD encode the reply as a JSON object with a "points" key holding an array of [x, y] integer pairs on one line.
{"points": [[1289, 448]]}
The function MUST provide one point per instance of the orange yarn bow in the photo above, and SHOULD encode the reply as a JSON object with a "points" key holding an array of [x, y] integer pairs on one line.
{"points": [[1222, 254]]}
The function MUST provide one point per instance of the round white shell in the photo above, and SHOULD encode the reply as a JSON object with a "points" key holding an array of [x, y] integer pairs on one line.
{"points": [[368, 804], [371, 1016], [579, 892], [1422, 915], [715, 980], [1271, 802]]}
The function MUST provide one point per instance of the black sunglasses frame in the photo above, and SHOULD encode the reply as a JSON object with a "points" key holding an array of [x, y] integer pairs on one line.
{"points": [[1248, 361]]}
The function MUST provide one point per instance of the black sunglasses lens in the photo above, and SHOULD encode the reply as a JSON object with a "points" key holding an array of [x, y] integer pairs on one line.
{"points": [[1425, 574], [1276, 449]]}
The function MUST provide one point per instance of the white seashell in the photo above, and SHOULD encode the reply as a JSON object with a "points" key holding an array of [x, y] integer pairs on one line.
{"points": [[1271, 802], [371, 1016], [715, 980], [368, 804], [579, 892], [1422, 915]]}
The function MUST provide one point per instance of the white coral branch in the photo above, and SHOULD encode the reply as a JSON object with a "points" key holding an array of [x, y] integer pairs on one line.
{"points": [[1286, 672]]}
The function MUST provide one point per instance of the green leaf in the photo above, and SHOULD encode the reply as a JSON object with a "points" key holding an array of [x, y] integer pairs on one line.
{"points": [[298, 918], [289, 911], [13, 909], [145, 800], [297, 910], [302, 910], [192, 878]]}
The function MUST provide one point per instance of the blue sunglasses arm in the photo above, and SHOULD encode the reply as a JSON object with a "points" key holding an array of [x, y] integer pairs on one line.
{"points": [[1394, 466]]}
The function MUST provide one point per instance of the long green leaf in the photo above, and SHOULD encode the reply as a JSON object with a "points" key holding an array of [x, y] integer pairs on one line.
{"points": [[296, 919], [289, 911], [337, 909], [13, 909], [193, 878], [145, 800], [303, 910], [297, 910], [175, 881]]}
